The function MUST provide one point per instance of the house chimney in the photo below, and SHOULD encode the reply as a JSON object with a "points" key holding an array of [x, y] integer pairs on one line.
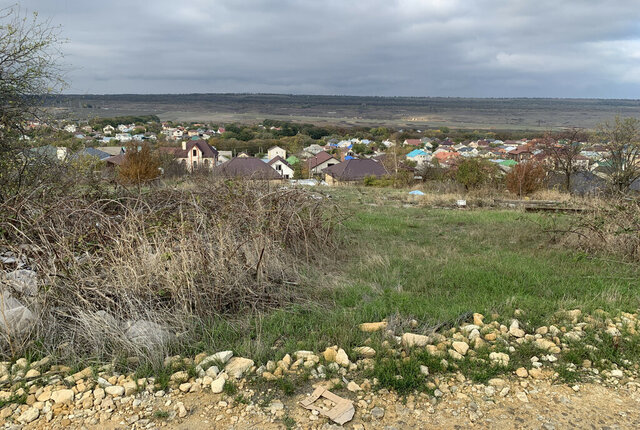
{"points": [[184, 145]]}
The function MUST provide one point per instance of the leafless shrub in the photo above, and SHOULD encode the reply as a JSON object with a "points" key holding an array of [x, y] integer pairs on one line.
{"points": [[159, 261], [608, 227]]}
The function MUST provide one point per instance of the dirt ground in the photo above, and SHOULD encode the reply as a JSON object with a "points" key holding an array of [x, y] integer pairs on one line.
{"points": [[540, 406]]}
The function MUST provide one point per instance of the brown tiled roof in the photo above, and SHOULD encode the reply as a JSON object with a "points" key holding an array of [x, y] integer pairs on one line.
{"points": [[520, 150], [115, 159], [319, 158], [207, 150], [279, 158], [414, 142], [249, 167], [355, 170]]}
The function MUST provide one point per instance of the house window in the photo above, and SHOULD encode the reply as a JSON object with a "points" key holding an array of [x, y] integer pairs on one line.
{"points": [[195, 152], [278, 167]]}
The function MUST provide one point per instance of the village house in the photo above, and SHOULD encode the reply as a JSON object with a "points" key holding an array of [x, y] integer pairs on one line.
{"points": [[123, 137], [413, 142], [320, 161], [196, 154], [418, 156], [351, 171], [248, 168], [520, 154], [276, 151], [281, 166]]}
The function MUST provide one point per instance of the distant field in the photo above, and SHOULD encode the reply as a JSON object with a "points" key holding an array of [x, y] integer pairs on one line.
{"points": [[413, 112]]}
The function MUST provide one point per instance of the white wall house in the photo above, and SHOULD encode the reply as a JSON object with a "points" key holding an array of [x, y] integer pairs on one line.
{"points": [[281, 166], [276, 151], [123, 137]]}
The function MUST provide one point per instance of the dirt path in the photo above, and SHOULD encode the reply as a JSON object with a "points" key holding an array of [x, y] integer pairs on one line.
{"points": [[538, 406]]}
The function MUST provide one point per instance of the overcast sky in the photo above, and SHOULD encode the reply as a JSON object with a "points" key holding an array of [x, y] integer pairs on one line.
{"points": [[474, 48]]}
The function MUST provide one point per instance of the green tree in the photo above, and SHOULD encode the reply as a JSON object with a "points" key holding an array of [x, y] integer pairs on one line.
{"points": [[471, 173]]}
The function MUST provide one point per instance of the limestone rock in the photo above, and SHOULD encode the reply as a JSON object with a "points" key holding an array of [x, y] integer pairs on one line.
{"points": [[342, 358], [217, 385], [410, 340], [547, 345], [365, 351], [16, 319], [62, 396], [114, 390], [29, 415], [23, 282], [180, 377], [147, 334], [515, 330], [330, 355], [460, 347], [353, 387], [374, 326], [478, 319], [238, 366], [499, 358]]}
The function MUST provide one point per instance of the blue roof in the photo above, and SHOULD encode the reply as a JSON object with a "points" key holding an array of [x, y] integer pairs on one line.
{"points": [[415, 153], [349, 157]]}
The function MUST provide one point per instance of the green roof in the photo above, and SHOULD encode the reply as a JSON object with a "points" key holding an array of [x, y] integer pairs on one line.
{"points": [[508, 163]]}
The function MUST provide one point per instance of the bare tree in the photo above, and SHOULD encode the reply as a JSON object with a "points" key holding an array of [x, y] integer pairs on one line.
{"points": [[564, 149], [622, 139], [29, 70]]}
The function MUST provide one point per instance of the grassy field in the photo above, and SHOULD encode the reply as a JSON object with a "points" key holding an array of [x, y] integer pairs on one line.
{"points": [[433, 265]]}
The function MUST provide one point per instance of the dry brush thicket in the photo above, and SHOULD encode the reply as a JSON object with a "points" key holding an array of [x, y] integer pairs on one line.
{"points": [[128, 273], [609, 226]]}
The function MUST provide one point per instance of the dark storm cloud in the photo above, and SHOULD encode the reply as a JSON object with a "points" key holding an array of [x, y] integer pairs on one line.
{"points": [[494, 48]]}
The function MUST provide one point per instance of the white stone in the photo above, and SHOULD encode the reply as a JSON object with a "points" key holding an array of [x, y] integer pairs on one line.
{"points": [[499, 358], [411, 339], [460, 347], [238, 366], [222, 356], [342, 358], [29, 415], [353, 387], [16, 319], [212, 371], [217, 385], [114, 390], [365, 351], [62, 396]]}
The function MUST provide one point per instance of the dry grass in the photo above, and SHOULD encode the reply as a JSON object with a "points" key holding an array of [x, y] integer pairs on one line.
{"points": [[165, 261]]}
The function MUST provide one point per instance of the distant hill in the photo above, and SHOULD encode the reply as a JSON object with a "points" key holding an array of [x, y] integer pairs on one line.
{"points": [[411, 112]]}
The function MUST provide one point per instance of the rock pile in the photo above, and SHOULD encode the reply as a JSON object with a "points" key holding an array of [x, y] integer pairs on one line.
{"points": [[43, 393]]}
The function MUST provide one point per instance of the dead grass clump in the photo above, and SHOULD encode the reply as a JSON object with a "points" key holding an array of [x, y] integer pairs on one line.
{"points": [[129, 273]]}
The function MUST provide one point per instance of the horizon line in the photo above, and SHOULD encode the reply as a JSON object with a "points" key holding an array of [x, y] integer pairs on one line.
{"points": [[338, 95]]}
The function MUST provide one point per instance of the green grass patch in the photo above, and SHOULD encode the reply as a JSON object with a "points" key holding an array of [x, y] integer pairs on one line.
{"points": [[431, 265]]}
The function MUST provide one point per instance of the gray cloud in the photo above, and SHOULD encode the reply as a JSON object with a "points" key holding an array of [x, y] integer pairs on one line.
{"points": [[480, 48]]}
